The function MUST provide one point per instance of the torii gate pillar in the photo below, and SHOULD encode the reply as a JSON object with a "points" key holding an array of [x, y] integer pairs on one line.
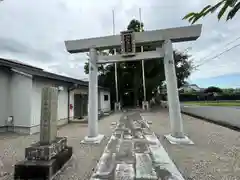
{"points": [[172, 91], [93, 136], [127, 43]]}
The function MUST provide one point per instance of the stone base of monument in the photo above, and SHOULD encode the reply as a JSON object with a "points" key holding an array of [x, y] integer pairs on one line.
{"points": [[93, 140], [145, 105], [42, 169], [45, 152], [117, 106], [174, 140]]}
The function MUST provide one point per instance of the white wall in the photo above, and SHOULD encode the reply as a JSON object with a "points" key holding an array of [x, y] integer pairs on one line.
{"points": [[4, 96], [20, 99], [63, 106], [38, 84], [105, 105]]}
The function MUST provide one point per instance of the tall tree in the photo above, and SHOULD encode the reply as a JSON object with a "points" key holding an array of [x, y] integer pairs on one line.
{"points": [[130, 73], [229, 7], [213, 89]]}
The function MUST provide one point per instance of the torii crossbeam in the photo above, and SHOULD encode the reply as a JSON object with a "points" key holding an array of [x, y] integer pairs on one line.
{"points": [[162, 40]]}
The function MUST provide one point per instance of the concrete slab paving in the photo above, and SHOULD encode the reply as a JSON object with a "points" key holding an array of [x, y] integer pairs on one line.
{"points": [[140, 152]]}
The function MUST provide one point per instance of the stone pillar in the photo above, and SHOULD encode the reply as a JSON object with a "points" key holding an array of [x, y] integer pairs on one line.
{"points": [[48, 124], [46, 157], [93, 95], [93, 136], [145, 105], [117, 106], [172, 92]]}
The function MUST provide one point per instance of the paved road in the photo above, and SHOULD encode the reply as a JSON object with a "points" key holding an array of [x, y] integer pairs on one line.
{"points": [[228, 116], [185, 104]]}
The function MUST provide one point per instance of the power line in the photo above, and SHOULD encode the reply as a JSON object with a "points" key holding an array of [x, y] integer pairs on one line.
{"points": [[225, 45], [216, 56]]}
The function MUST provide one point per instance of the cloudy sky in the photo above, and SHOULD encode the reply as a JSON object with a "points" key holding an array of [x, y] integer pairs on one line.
{"points": [[34, 31]]}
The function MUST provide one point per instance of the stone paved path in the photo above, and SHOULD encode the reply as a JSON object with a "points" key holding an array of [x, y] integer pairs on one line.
{"points": [[135, 153], [85, 157]]}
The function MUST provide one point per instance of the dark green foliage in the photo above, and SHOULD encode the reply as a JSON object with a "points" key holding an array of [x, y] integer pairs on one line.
{"points": [[213, 89], [229, 7], [205, 97]]}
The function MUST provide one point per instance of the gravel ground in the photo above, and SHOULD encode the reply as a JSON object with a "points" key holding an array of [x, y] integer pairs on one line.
{"points": [[84, 157], [215, 155]]}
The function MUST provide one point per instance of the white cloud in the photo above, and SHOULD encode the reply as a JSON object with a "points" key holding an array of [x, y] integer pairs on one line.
{"points": [[34, 31]]}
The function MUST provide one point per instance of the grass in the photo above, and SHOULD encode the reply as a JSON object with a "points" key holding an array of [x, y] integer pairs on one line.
{"points": [[214, 103]]}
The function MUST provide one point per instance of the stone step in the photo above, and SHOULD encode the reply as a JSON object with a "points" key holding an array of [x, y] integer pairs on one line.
{"points": [[118, 134], [127, 136], [153, 139], [140, 147], [112, 144], [105, 166], [164, 166], [125, 152], [124, 172], [138, 135], [147, 131], [144, 167]]}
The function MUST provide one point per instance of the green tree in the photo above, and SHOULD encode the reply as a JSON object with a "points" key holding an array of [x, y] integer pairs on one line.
{"points": [[228, 90], [213, 89], [130, 73], [229, 7]]}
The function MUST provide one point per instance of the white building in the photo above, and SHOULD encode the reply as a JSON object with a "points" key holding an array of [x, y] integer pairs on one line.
{"points": [[20, 97], [190, 88]]}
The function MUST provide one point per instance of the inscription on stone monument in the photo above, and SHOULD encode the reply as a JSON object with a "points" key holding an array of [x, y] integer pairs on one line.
{"points": [[48, 124]]}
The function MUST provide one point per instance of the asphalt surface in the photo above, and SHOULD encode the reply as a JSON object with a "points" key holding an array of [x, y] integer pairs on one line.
{"points": [[226, 116]]}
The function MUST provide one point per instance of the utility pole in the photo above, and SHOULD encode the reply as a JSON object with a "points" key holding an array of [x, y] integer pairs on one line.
{"points": [[145, 104], [117, 104]]}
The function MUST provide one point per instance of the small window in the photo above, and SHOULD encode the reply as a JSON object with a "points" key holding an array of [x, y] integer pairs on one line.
{"points": [[105, 97]]}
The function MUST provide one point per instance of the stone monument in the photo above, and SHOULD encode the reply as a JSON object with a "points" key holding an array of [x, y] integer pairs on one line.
{"points": [[46, 157]]}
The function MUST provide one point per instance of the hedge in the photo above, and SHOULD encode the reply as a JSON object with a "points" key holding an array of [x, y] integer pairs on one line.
{"points": [[195, 97]]}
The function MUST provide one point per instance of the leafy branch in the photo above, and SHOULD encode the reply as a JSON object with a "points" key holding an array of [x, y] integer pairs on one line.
{"points": [[229, 7]]}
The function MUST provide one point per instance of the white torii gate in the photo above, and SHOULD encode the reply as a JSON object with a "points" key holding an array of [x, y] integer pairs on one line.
{"points": [[162, 40]]}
